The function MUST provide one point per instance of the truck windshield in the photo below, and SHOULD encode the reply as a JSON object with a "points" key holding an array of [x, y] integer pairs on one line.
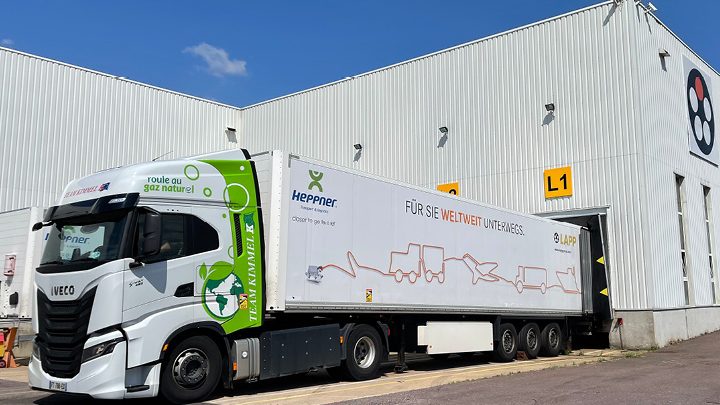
{"points": [[88, 239]]}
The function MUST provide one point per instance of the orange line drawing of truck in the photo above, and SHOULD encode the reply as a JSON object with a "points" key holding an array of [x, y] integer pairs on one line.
{"points": [[534, 278]]}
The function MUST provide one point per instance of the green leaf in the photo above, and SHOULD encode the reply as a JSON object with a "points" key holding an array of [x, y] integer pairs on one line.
{"points": [[203, 271]]}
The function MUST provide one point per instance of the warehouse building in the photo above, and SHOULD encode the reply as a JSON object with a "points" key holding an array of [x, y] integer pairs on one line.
{"points": [[602, 117]]}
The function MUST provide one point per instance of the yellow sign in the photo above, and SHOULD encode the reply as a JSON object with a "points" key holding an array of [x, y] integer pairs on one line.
{"points": [[368, 295], [604, 292], [601, 260], [452, 188], [558, 182]]}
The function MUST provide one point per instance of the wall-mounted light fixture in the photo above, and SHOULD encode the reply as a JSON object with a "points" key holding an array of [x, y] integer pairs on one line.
{"points": [[443, 130], [357, 146], [650, 8], [550, 107], [663, 53], [231, 134]]}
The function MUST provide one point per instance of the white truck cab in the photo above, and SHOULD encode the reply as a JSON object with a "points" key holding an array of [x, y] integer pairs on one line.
{"points": [[136, 256]]}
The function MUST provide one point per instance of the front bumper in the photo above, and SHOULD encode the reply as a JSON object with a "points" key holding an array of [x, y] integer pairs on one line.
{"points": [[102, 378]]}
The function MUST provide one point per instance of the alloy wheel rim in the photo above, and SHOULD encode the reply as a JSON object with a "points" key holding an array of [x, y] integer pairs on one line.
{"points": [[364, 352], [190, 368], [507, 342]]}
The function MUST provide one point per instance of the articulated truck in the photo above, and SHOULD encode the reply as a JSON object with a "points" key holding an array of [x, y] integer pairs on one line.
{"points": [[173, 277]]}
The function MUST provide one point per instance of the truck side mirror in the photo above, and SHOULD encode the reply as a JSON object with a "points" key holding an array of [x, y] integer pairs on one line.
{"points": [[151, 234]]}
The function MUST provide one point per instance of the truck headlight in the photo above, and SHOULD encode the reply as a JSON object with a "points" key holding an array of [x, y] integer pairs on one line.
{"points": [[101, 349], [35, 350]]}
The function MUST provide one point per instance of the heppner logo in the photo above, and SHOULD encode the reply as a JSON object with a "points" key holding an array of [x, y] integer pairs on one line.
{"points": [[568, 240], [315, 178]]}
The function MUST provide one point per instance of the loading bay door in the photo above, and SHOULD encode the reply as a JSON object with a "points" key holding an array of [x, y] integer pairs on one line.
{"points": [[595, 221]]}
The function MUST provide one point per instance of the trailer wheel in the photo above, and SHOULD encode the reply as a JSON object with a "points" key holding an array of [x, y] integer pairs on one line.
{"points": [[529, 340], [551, 340], [192, 370], [364, 352], [506, 348]]}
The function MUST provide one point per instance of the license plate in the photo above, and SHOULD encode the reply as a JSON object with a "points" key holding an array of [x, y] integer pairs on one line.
{"points": [[58, 386]]}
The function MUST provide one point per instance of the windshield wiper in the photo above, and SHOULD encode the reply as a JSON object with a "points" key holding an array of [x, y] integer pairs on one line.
{"points": [[53, 262]]}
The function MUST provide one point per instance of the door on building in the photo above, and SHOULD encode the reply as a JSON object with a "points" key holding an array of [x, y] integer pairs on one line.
{"points": [[595, 221]]}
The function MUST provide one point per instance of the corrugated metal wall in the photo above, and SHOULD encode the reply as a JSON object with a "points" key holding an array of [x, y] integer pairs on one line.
{"points": [[491, 96], [663, 100], [58, 122]]}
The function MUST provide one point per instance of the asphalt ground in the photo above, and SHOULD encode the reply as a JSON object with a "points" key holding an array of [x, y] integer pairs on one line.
{"points": [[685, 373], [320, 388]]}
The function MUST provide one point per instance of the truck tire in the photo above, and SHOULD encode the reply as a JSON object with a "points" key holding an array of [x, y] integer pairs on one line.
{"points": [[551, 340], [529, 340], [440, 356], [364, 352], [507, 345], [191, 371]]}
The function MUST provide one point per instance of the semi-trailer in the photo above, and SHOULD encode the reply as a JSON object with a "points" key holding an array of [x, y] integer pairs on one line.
{"points": [[173, 277], [20, 251]]}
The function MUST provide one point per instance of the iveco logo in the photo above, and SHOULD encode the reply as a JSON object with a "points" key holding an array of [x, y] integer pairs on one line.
{"points": [[62, 290]]}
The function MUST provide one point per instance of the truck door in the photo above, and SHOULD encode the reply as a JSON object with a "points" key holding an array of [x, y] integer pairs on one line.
{"points": [[167, 277]]}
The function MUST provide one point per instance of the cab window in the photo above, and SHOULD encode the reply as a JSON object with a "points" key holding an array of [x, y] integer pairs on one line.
{"points": [[181, 235]]}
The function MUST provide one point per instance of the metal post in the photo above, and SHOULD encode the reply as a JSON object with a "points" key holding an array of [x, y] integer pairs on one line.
{"points": [[400, 365]]}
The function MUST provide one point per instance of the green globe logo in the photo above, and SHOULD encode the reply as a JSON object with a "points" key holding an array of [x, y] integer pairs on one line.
{"points": [[223, 292]]}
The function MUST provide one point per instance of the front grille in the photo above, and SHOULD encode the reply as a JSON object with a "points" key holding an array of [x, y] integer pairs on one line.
{"points": [[62, 333]]}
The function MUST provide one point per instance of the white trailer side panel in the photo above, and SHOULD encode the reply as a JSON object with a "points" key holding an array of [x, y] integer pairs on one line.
{"points": [[19, 244], [362, 243]]}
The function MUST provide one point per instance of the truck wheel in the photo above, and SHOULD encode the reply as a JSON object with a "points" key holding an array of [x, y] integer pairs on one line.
{"points": [[364, 352], [440, 356], [506, 348], [529, 340], [191, 371], [551, 340]]}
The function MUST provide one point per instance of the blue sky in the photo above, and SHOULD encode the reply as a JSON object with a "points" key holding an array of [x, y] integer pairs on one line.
{"points": [[243, 52]]}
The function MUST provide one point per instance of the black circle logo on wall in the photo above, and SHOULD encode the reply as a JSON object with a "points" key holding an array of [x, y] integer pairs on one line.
{"points": [[702, 119]]}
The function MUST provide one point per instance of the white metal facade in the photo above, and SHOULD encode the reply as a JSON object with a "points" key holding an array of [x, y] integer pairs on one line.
{"points": [[620, 122], [59, 122]]}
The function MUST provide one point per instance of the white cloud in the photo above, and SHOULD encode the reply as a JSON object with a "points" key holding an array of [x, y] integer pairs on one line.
{"points": [[7, 42], [218, 61]]}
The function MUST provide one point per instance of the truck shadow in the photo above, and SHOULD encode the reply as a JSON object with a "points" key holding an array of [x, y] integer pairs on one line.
{"points": [[320, 378], [317, 379]]}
